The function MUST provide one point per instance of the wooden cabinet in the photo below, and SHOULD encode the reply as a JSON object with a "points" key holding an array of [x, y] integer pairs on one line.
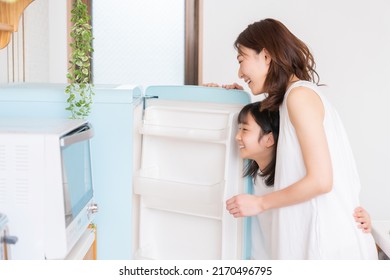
{"points": [[92, 251], [10, 12], [85, 248]]}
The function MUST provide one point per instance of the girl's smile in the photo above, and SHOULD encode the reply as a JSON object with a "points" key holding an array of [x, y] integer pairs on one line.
{"points": [[253, 143]]}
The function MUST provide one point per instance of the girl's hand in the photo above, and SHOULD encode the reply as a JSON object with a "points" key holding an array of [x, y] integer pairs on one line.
{"points": [[363, 219], [244, 205]]}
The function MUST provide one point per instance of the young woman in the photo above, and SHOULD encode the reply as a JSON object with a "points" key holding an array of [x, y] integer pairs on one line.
{"points": [[316, 182], [257, 135]]}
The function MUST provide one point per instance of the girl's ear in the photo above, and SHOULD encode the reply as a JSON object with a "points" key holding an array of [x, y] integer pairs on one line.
{"points": [[270, 141]]}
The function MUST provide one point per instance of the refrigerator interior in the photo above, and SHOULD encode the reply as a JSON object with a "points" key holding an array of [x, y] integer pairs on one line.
{"points": [[186, 166]]}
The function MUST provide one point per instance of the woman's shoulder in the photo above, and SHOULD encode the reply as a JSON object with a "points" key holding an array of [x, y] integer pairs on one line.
{"points": [[304, 101], [302, 86], [302, 92]]}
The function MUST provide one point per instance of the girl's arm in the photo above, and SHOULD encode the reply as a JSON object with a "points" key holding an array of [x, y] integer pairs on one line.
{"points": [[306, 113]]}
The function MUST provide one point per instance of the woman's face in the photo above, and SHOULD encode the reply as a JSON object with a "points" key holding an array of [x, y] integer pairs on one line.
{"points": [[253, 68], [249, 144]]}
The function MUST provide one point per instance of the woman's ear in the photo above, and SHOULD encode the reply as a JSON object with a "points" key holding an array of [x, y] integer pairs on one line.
{"points": [[267, 56]]}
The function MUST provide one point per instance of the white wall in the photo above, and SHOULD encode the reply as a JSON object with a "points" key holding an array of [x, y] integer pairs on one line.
{"points": [[58, 51], [350, 40], [46, 41], [37, 41]]}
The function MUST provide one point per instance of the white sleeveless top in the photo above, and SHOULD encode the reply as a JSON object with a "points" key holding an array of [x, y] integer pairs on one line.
{"points": [[323, 227]]}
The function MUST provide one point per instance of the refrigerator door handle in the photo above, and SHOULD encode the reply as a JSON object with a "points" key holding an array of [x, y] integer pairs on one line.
{"points": [[144, 99]]}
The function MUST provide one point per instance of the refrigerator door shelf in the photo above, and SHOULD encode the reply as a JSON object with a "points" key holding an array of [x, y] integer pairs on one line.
{"points": [[209, 211], [196, 123], [178, 190], [191, 199], [197, 116], [192, 134], [178, 236], [189, 162]]}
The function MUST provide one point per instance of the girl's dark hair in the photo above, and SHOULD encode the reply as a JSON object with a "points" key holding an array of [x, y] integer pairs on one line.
{"points": [[269, 123], [289, 56]]}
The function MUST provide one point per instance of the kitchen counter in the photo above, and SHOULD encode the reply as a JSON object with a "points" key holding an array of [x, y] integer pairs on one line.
{"points": [[381, 233]]}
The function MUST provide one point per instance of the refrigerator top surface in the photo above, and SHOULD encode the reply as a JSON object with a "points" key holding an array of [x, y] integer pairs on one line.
{"points": [[200, 94]]}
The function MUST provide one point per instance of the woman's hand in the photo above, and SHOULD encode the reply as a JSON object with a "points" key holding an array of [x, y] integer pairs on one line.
{"points": [[244, 205], [363, 219], [232, 86], [211, 85]]}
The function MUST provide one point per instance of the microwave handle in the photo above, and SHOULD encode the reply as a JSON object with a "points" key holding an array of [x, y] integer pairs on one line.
{"points": [[78, 136]]}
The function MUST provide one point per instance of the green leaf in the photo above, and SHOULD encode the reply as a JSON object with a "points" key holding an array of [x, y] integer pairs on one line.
{"points": [[79, 91]]}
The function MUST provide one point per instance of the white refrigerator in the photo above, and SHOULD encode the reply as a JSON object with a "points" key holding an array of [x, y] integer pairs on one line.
{"points": [[186, 165]]}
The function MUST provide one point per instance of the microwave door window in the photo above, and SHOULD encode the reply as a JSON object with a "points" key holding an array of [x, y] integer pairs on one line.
{"points": [[77, 178]]}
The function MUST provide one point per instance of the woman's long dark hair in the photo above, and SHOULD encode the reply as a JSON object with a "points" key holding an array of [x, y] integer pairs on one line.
{"points": [[289, 56], [269, 123]]}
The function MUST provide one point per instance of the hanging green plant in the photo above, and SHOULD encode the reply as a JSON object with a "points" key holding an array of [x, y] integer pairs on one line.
{"points": [[80, 88]]}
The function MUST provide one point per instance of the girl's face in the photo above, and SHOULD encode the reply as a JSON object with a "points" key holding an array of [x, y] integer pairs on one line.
{"points": [[251, 147], [253, 68]]}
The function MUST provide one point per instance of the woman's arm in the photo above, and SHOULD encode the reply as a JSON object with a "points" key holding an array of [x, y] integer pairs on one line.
{"points": [[306, 113]]}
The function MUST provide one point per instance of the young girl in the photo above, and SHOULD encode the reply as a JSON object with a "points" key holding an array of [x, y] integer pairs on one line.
{"points": [[257, 135], [316, 182]]}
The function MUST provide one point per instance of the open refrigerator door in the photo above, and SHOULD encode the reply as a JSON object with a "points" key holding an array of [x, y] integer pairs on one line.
{"points": [[186, 166]]}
